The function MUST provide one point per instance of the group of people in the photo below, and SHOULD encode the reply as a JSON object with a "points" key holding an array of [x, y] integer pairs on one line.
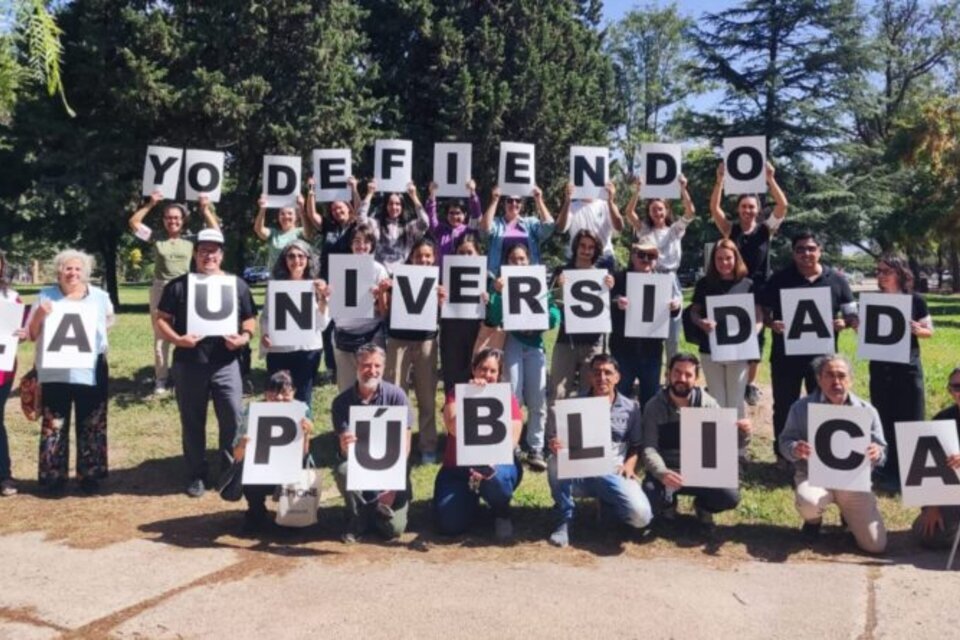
{"points": [[376, 364]]}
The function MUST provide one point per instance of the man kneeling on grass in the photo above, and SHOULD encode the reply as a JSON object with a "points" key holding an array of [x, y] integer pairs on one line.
{"points": [[661, 445], [857, 508], [619, 490], [383, 511]]}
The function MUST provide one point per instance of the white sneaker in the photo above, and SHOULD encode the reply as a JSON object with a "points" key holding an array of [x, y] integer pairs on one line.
{"points": [[7, 488], [160, 391]]}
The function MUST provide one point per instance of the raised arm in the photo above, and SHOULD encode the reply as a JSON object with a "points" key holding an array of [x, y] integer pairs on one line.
{"points": [[260, 222], [473, 204], [630, 213], [688, 209], [486, 222], [563, 218], [545, 216], [616, 220], [716, 210], [137, 218], [210, 219], [779, 197], [423, 221], [430, 208], [363, 210], [310, 209], [302, 212]]}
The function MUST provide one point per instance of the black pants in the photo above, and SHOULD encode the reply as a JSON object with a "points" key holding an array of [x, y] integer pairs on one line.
{"points": [[457, 338], [4, 445], [787, 373], [709, 500], [896, 390]]}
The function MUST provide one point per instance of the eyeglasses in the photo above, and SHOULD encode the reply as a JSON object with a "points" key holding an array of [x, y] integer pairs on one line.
{"points": [[806, 248], [515, 201], [644, 256]]}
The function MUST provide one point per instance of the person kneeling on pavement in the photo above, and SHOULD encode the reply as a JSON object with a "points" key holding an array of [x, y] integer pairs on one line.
{"points": [[279, 389], [457, 490], [619, 490], [858, 509], [661, 445], [383, 511]]}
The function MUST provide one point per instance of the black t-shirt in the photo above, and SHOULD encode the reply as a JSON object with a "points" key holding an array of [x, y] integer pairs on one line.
{"points": [[950, 413], [212, 349], [331, 239], [791, 278], [621, 346], [755, 249], [918, 311], [711, 287]]}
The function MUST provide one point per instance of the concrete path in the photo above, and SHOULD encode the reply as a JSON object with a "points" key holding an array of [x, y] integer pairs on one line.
{"points": [[150, 589]]}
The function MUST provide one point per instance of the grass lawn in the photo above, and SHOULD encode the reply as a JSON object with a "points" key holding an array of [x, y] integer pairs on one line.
{"points": [[145, 459]]}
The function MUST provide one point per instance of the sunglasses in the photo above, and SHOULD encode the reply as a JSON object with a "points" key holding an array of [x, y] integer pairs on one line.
{"points": [[516, 201], [646, 257]]}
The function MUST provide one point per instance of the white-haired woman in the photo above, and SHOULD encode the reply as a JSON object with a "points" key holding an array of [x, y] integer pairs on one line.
{"points": [[82, 389]]}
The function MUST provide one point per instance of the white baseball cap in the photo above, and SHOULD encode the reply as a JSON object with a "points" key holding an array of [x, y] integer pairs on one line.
{"points": [[210, 235]]}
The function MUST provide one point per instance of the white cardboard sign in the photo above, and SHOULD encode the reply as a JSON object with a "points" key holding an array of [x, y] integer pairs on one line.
{"points": [[11, 319], [583, 429], [831, 464], [661, 165], [708, 448], [808, 321], [734, 338], [884, 331], [589, 172], [274, 453], [517, 171], [414, 301], [745, 165], [484, 424], [70, 336], [922, 448], [648, 305], [452, 167], [377, 461], [161, 170], [212, 305], [291, 312], [281, 180], [331, 168], [464, 278], [393, 165], [525, 298], [204, 174], [352, 276], [586, 301]]}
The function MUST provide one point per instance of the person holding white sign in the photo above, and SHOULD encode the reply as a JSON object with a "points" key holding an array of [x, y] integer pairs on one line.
{"points": [[600, 216], [459, 335], [788, 373], [572, 353], [279, 389], [205, 367], [384, 511], [753, 241], [81, 389], [457, 489], [331, 235], [667, 234], [641, 359], [394, 231], [526, 361], [171, 259], [620, 489], [456, 221], [661, 445], [351, 334], [503, 232], [287, 229], [936, 526], [9, 296], [412, 355], [298, 262], [896, 388], [857, 508], [727, 274]]}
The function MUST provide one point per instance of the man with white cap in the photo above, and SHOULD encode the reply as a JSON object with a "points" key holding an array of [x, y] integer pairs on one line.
{"points": [[205, 367]]}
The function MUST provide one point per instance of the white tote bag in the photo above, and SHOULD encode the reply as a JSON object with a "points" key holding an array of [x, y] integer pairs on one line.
{"points": [[300, 501]]}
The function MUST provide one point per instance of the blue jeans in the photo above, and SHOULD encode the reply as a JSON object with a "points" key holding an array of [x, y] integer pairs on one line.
{"points": [[302, 366], [646, 370], [527, 372], [623, 495], [455, 506], [5, 473]]}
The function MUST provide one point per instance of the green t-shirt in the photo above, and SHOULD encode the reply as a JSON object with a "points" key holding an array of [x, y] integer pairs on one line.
{"points": [[172, 258], [278, 240]]}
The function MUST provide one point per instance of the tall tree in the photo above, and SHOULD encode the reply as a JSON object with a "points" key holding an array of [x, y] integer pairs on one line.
{"points": [[652, 61], [780, 64], [483, 72]]}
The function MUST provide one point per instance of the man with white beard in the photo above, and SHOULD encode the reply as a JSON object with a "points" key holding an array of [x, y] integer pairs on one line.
{"points": [[382, 511]]}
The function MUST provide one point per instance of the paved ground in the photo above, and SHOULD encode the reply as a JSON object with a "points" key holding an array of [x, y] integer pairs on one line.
{"points": [[155, 589]]}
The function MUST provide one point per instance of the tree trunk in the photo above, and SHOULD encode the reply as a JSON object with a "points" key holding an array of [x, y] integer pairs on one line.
{"points": [[108, 253], [955, 265]]}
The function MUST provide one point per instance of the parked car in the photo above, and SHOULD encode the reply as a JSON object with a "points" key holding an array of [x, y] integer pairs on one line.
{"points": [[253, 275]]}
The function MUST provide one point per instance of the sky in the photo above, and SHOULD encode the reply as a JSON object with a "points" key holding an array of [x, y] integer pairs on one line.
{"points": [[615, 9]]}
